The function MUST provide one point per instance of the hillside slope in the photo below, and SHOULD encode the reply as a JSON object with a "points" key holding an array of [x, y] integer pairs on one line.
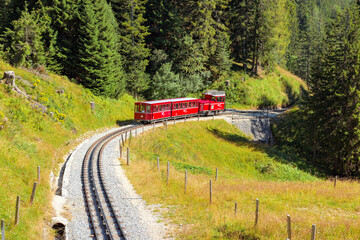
{"points": [[268, 90], [39, 131], [246, 172]]}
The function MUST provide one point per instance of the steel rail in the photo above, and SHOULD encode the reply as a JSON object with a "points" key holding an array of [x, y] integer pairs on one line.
{"points": [[91, 194]]}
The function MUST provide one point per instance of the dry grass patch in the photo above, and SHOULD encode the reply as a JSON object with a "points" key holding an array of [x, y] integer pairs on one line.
{"points": [[307, 200]]}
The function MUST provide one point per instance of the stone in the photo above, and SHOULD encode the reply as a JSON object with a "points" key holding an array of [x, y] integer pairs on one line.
{"points": [[9, 77]]}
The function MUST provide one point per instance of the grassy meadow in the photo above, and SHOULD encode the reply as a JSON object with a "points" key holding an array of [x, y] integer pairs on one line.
{"points": [[273, 90], [30, 137], [246, 171]]}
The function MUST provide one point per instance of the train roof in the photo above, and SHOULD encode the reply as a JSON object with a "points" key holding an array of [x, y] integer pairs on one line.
{"points": [[215, 93], [170, 100]]}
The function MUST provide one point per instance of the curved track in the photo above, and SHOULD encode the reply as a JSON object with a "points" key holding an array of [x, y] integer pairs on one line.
{"points": [[104, 220]]}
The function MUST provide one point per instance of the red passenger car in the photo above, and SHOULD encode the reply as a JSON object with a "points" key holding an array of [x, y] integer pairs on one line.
{"points": [[157, 110]]}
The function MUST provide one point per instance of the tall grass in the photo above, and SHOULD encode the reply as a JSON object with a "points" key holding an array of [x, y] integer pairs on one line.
{"points": [[274, 90], [246, 172], [31, 138]]}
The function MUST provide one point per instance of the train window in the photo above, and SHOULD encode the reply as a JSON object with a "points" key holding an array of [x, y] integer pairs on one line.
{"points": [[168, 107], [156, 108], [142, 108], [148, 108]]}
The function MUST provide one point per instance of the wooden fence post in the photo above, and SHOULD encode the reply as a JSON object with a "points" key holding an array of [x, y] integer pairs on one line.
{"points": [[143, 129], [168, 172], [235, 211], [127, 157], [153, 127], [174, 121], [135, 132], [185, 119], [210, 191], [289, 227], [166, 125], [313, 232], [122, 139], [257, 212], [158, 164], [38, 174], [120, 148], [335, 181], [2, 229], [185, 180], [33, 193], [92, 106], [216, 176], [17, 210], [198, 117]]}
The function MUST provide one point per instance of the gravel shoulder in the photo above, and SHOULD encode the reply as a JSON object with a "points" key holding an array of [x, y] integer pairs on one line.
{"points": [[137, 219]]}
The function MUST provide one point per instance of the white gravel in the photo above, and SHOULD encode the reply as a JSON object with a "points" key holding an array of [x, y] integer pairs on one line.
{"points": [[138, 221]]}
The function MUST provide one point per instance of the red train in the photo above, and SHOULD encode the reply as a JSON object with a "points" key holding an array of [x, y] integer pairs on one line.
{"points": [[213, 102]]}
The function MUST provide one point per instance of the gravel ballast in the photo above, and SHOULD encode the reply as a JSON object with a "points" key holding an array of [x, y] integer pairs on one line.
{"points": [[137, 220]]}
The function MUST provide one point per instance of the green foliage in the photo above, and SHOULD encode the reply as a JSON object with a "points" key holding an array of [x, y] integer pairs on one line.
{"points": [[166, 84], [259, 32], [132, 31], [334, 99], [310, 18], [26, 48], [271, 91], [99, 67], [325, 130]]}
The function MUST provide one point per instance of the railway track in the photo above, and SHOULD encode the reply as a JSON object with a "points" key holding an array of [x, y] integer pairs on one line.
{"points": [[103, 218]]}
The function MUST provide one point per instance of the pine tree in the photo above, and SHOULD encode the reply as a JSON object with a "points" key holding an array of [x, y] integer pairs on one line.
{"points": [[166, 83], [25, 45], [132, 29], [335, 96], [99, 66], [65, 24]]}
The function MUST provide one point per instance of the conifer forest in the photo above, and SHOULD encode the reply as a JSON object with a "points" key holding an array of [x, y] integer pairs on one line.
{"points": [[156, 49]]}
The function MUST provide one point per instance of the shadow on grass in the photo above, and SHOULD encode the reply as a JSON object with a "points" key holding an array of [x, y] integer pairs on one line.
{"points": [[125, 122], [285, 156]]}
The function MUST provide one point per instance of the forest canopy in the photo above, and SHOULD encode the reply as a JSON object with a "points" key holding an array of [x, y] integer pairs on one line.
{"points": [[141, 46]]}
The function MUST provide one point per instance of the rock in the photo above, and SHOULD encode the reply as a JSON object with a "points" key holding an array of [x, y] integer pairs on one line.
{"points": [[9, 77], [60, 91], [39, 106]]}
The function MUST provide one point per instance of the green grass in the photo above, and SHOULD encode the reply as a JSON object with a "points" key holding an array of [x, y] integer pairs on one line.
{"points": [[246, 171], [31, 138], [274, 90]]}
